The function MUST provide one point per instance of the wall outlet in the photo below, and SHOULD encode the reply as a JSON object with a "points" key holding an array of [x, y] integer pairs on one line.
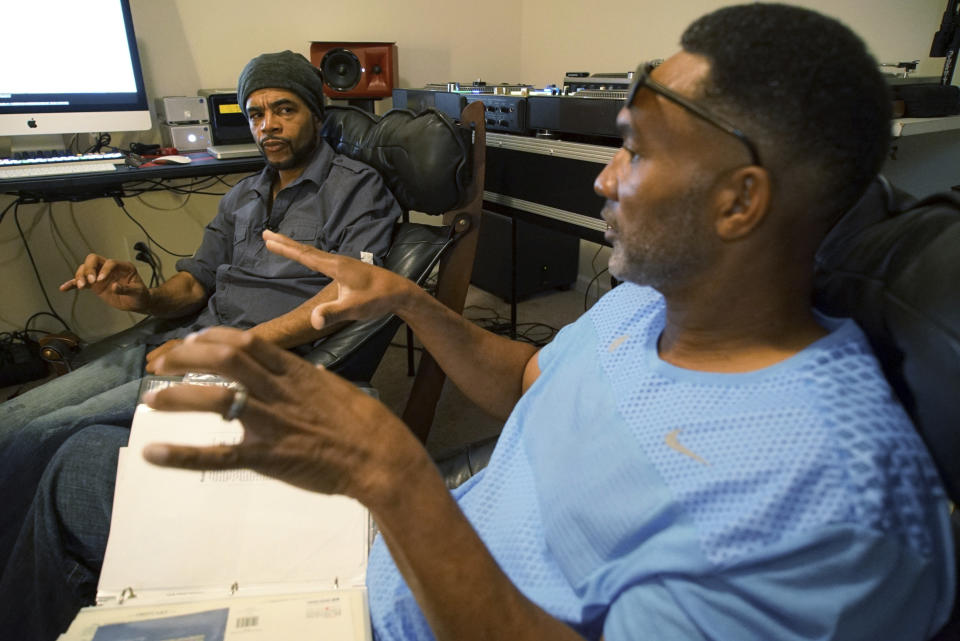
{"points": [[130, 252], [145, 269]]}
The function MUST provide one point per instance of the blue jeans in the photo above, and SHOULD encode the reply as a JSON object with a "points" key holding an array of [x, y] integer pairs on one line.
{"points": [[54, 567], [35, 424]]}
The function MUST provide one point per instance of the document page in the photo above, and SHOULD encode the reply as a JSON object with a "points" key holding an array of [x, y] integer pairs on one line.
{"points": [[178, 532]]}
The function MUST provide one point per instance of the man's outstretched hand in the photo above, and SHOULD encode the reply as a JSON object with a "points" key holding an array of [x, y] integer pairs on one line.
{"points": [[117, 283], [302, 424], [364, 291], [157, 352]]}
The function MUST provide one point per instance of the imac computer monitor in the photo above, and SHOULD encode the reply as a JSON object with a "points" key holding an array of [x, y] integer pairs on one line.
{"points": [[70, 67]]}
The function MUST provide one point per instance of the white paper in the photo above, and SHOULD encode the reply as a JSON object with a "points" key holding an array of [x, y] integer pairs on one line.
{"points": [[177, 532]]}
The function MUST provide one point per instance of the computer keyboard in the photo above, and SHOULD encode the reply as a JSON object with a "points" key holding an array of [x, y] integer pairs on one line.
{"points": [[56, 169], [51, 163]]}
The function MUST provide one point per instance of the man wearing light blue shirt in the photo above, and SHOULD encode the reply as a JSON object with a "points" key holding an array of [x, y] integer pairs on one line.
{"points": [[701, 455]]}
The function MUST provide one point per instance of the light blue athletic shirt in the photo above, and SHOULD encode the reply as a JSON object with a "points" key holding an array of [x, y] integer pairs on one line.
{"points": [[638, 500]]}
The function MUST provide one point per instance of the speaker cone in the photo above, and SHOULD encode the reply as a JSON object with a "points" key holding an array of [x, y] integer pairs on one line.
{"points": [[341, 69]]}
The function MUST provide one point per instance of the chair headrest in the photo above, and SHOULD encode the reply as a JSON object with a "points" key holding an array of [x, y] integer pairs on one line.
{"points": [[424, 158], [892, 263]]}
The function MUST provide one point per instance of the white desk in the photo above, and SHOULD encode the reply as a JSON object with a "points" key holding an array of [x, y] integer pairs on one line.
{"points": [[925, 154], [917, 126]]}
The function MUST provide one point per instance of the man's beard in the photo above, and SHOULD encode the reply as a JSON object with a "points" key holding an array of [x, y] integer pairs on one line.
{"points": [[298, 156], [679, 252]]}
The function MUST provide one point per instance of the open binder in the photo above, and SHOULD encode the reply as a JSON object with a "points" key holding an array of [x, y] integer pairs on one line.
{"points": [[221, 555]]}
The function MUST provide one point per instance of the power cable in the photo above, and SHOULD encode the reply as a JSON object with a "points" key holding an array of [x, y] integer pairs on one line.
{"points": [[153, 240], [33, 263]]}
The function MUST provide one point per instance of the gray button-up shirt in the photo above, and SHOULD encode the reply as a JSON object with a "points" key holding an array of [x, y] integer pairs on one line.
{"points": [[338, 205]]}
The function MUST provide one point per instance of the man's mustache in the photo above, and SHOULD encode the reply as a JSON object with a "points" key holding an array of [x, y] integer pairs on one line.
{"points": [[607, 214]]}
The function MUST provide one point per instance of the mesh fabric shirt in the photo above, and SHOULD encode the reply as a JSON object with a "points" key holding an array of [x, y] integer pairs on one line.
{"points": [[637, 500]]}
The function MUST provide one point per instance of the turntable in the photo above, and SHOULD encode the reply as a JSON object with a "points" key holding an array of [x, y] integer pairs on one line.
{"points": [[584, 109]]}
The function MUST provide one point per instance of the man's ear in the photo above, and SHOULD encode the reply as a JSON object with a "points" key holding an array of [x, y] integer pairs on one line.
{"points": [[743, 200]]}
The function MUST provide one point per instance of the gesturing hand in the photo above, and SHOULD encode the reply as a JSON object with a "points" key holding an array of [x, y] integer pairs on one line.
{"points": [[364, 291], [159, 351], [302, 424], [117, 283]]}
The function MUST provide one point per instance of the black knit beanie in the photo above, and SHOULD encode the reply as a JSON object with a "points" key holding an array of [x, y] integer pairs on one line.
{"points": [[282, 70]]}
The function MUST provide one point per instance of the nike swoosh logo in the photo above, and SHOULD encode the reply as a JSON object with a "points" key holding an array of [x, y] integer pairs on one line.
{"points": [[617, 342], [671, 440]]}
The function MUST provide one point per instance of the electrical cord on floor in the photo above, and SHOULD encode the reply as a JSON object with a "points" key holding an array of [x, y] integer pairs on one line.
{"points": [[537, 334]]}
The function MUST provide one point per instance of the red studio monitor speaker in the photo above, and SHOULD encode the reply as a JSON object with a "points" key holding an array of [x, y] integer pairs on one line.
{"points": [[356, 69]]}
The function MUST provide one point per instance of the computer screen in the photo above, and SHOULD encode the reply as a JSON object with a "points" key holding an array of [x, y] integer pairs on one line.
{"points": [[230, 126], [70, 67]]}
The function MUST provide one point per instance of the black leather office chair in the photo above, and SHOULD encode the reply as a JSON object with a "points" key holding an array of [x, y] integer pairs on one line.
{"points": [[893, 264], [431, 165]]}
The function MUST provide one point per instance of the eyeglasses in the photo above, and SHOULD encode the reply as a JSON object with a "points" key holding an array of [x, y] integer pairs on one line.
{"points": [[642, 79]]}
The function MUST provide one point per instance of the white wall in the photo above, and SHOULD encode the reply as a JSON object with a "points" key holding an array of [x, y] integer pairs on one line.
{"points": [[186, 45], [616, 35]]}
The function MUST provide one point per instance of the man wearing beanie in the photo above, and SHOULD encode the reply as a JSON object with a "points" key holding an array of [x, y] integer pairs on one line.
{"points": [[306, 191]]}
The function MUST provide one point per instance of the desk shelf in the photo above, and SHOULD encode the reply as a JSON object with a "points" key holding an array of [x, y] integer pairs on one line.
{"points": [[85, 186]]}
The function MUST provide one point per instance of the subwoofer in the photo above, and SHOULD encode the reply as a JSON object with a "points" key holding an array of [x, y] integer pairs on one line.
{"points": [[356, 69]]}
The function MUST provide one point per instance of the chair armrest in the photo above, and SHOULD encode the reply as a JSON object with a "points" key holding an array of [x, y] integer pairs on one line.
{"points": [[355, 351]]}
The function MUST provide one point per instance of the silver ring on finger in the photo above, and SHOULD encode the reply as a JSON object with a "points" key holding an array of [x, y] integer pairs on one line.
{"points": [[239, 403]]}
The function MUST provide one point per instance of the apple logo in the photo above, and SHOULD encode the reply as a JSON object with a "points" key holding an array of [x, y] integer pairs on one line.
{"points": [[32, 123]]}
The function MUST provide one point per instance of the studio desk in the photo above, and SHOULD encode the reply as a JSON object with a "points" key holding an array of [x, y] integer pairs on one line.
{"points": [[109, 184]]}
